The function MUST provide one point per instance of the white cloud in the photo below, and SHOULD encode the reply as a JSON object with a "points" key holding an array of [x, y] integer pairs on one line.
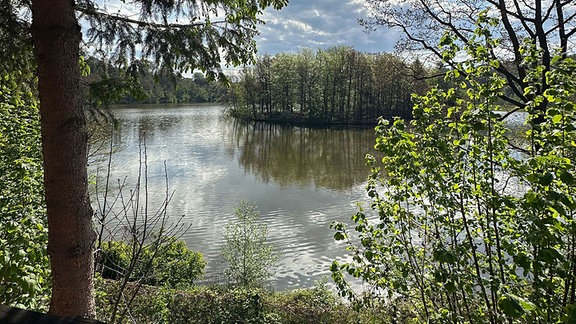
{"points": [[321, 23], [306, 24]]}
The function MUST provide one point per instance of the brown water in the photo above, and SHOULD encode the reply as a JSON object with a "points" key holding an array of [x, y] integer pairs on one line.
{"points": [[300, 179]]}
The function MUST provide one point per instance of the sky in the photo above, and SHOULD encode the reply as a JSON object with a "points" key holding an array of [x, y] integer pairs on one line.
{"points": [[320, 24], [310, 24]]}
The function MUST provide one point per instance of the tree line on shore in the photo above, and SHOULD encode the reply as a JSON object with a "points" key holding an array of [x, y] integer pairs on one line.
{"points": [[335, 86], [144, 82]]}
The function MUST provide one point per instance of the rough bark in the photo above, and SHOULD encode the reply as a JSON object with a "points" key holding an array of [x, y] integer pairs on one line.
{"points": [[57, 37]]}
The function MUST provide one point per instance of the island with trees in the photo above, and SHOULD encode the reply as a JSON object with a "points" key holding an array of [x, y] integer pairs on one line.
{"points": [[337, 86]]}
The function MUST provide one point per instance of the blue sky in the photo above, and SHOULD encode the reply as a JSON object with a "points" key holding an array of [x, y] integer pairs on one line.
{"points": [[320, 24]]}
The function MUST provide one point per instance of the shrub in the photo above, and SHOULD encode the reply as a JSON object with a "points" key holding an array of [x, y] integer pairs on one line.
{"points": [[114, 259], [222, 304], [150, 304], [175, 265], [172, 265], [316, 305], [245, 249], [219, 304]]}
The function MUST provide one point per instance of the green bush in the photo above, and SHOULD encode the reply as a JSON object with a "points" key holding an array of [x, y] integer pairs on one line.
{"points": [[219, 304], [246, 250], [175, 265], [114, 259], [222, 304], [150, 304], [172, 265], [308, 306]]}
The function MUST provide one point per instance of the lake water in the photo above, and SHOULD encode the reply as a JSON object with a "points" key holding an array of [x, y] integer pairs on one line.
{"points": [[300, 179]]}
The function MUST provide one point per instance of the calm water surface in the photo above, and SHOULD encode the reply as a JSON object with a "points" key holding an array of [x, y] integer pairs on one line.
{"points": [[300, 179]]}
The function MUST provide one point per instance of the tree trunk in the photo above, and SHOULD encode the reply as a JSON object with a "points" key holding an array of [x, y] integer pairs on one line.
{"points": [[57, 37]]}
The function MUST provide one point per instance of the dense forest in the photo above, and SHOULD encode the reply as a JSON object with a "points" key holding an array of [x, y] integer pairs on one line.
{"points": [[335, 86], [143, 82]]}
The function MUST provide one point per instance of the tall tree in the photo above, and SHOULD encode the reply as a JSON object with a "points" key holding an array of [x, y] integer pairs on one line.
{"points": [[57, 36], [182, 34], [548, 25]]}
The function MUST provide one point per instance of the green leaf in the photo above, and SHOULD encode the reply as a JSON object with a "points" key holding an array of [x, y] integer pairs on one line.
{"points": [[526, 305], [446, 40], [510, 306], [334, 266], [550, 255], [522, 260], [369, 255], [557, 119], [445, 256], [339, 236], [546, 179], [567, 178]]}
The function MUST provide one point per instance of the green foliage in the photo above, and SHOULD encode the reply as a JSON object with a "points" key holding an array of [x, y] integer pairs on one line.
{"points": [[235, 97], [181, 36], [245, 250], [16, 50], [465, 227], [222, 304], [318, 305], [150, 304], [172, 264], [197, 305], [114, 259], [175, 265], [110, 85], [219, 305], [24, 266]]}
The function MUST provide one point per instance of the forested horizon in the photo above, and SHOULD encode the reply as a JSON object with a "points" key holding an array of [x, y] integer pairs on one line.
{"points": [[144, 83], [339, 85]]}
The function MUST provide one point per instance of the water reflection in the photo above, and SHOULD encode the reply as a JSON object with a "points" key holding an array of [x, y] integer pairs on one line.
{"points": [[300, 179], [325, 158]]}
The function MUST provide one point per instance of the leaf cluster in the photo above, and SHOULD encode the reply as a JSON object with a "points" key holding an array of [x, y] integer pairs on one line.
{"points": [[179, 35]]}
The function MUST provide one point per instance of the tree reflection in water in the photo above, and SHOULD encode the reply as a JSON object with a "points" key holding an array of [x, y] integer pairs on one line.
{"points": [[327, 158]]}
